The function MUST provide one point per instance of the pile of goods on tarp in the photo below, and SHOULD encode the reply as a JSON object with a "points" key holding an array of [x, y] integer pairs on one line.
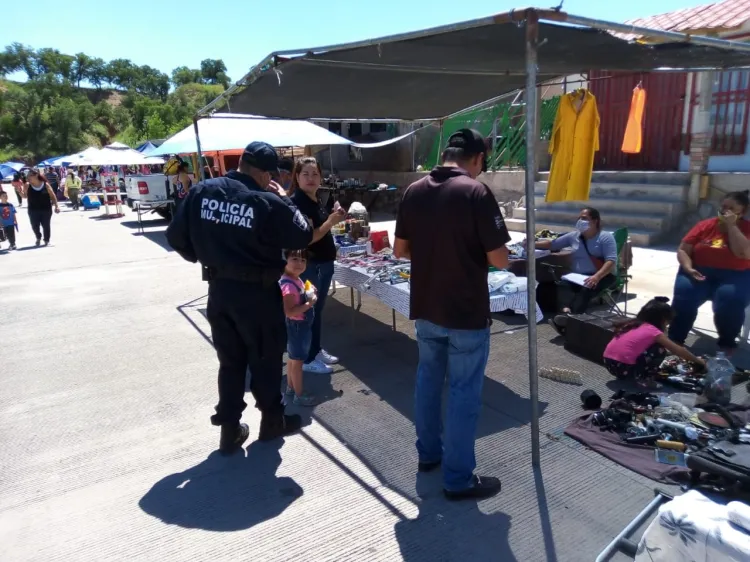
{"points": [[711, 440]]}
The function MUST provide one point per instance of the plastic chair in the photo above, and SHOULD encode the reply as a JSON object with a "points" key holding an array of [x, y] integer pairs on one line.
{"points": [[609, 296]]}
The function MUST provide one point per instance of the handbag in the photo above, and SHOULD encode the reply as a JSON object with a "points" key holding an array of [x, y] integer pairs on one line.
{"points": [[598, 262]]}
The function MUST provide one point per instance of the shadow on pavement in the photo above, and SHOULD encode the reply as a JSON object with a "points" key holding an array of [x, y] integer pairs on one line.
{"points": [[146, 221], [225, 493], [158, 237], [446, 530]]}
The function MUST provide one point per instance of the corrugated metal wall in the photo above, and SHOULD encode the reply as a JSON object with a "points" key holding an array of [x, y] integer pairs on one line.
{"points": [[663, 117]]}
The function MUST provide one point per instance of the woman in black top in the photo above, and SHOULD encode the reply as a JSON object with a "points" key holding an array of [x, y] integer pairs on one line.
{"points": [[321, 252], [41, 200]]}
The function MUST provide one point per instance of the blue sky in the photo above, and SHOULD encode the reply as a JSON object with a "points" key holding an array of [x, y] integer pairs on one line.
{"points": [[169, 33]]}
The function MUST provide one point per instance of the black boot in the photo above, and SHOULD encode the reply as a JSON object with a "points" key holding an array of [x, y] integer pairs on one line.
{"points": [[232, 438], [273, 428]]}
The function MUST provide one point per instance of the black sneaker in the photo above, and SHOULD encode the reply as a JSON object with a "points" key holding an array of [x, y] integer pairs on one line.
{"points": [[427, 466], [38, 243], [46, 242], [484, 487], [279, 427], [13, 247], [232, 438]]}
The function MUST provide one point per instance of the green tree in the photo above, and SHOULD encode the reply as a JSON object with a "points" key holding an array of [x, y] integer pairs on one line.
{"points": [[183, 75], [122, 73], [214, 71], [20, 57], [96, 72], [81, 67]]}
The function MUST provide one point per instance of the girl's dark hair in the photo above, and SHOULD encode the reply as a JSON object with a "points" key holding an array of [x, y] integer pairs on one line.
{"points": [[18, 176], [295, 254], [298, 165], [656, 312], [742, 198], [595, 215]]}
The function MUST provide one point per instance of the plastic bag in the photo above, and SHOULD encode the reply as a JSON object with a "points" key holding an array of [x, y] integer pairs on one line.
{"points": [[497, 279]]}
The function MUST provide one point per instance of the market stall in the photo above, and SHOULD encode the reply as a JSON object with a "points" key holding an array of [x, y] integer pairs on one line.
{"points": [[433, 73]]}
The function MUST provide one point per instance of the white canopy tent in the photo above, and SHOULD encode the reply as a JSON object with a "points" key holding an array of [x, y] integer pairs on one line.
{"points": [[115, 157], [224, 131]]}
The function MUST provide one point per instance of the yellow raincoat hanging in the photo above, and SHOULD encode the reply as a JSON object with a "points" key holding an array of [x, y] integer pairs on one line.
{"points": [[575, 139]]}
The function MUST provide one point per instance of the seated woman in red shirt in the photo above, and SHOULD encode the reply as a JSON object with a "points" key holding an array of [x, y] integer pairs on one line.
{"points": [[715, 265]]}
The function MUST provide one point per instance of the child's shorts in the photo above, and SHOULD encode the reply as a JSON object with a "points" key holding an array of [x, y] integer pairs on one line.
{"points": [[298, 339]]}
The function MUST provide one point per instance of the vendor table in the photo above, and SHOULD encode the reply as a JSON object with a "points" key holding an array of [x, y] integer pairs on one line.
{"points": [[396, 297]]}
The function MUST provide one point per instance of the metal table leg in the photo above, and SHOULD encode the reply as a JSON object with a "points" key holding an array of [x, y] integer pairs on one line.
{"points": [[359, 300], [393, 316], [354, 310], [621, 541]]}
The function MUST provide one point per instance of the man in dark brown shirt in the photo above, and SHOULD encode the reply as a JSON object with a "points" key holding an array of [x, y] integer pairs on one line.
{"points": [[451, 228]]}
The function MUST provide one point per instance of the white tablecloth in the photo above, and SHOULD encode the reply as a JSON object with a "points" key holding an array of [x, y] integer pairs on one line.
{"points": [[397, 296], [692, 527]]}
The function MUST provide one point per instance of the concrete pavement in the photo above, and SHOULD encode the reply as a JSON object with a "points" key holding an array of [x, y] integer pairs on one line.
{"points": [[109, 381]]}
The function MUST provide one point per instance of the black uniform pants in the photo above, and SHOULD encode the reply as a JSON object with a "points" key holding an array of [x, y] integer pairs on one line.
{"points": [[248, 330], [40, 221]]}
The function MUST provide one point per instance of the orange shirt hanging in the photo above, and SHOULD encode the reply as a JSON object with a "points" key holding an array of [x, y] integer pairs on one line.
{"points": [[633, 140], [574, 140]]}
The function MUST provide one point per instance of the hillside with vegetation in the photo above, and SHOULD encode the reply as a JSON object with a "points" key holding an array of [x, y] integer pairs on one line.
{"points": [[69, 102]]}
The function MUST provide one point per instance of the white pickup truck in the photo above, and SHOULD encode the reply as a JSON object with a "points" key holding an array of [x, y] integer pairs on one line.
{"points": [[150, 188]]}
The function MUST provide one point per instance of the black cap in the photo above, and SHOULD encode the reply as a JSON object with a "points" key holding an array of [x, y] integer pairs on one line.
{"points": [[472, 142], [261, 155], [591, 400]]}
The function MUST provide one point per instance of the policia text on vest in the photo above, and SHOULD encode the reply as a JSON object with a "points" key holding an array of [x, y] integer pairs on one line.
{"points": [[224, 212]]}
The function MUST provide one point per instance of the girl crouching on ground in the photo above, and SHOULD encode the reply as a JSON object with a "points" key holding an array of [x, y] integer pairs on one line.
{"points": [[300, 313], [640, 346]]}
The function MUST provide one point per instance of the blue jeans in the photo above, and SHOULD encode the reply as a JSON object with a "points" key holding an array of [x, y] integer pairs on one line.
{"points": [[727, 289], [320, 274], [462, 354]]}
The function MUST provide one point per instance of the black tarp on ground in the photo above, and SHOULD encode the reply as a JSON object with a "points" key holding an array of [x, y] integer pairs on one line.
{"points": [[437, 74]]}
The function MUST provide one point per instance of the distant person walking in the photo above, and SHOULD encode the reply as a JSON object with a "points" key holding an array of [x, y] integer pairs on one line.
{"points": [[73, 188], [53, 179], [41, 200], [17, 183]]}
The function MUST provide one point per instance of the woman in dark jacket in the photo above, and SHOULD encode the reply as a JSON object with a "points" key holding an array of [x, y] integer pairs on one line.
{"points": [[306, 179]]}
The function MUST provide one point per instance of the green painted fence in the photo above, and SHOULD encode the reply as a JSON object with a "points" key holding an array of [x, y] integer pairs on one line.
{"points": [[509, 149]]}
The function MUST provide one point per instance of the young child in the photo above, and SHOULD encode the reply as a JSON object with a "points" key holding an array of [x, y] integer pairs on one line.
{"points": [[8, 221], [639, 345], [299, 311]]}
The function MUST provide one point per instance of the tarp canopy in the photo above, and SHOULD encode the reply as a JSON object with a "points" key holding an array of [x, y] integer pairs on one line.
{"points": [[434, 73], [8, 169], [232, 132]]}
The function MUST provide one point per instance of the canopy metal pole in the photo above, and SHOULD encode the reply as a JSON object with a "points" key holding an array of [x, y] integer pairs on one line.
{"points": [[440, 144], [532, 36], [330, 158], [198, 149]]}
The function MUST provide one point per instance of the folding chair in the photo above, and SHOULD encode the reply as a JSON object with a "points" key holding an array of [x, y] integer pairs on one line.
{"points": [[609, 296]]}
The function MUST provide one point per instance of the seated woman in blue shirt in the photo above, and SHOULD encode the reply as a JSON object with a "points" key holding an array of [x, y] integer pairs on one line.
{"points": [[594, 253]]}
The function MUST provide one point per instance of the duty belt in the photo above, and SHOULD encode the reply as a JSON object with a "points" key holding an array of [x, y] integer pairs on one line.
{"points": [[266, 277]]}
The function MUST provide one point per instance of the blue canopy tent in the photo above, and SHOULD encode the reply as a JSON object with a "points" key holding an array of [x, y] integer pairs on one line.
{"points": [[7, 169]]}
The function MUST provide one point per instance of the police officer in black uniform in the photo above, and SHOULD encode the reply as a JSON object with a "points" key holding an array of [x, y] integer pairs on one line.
{"points": [[236, 226]]}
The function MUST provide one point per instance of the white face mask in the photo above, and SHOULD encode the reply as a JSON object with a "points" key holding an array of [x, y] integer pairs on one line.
{"points": [[582, 225]]}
